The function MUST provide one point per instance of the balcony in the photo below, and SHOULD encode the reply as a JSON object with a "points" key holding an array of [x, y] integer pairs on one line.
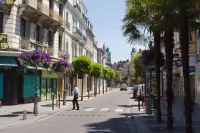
{"points": [[50, 50], [61, 53], [38, 12], [43, 7], [77, 33], [78, 7], [85, 18], [27, 44], [31, 3]]}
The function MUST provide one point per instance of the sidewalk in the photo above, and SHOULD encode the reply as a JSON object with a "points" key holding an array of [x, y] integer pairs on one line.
{"points": [[144, 123], [11, 116]]}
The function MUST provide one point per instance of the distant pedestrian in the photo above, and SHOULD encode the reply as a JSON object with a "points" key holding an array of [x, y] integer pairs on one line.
{"points": [[75, 99]]}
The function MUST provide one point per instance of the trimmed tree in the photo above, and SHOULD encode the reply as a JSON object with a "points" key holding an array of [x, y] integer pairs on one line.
{"points": [[104, 73], [82, 66], [96, 73]]}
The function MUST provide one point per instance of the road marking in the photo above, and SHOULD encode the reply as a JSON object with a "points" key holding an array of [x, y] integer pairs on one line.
{"points": [[119, 110], [89, 109], [104, 109]]}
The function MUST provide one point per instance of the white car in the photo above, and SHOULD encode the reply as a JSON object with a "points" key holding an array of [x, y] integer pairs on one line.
{"points": [[123, 87]]}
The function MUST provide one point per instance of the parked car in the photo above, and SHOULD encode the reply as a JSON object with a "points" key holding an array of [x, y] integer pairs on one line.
{"points": [[123, 87], [140, 91], [135, 89]]}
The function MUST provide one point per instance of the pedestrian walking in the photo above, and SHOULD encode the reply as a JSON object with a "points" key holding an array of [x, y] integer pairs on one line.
{"points": [[75, 99]]}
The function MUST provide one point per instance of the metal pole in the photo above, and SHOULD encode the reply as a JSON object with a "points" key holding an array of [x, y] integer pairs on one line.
{"points": [[35, 111], [64, 91], [52, 101], [59, 99]]}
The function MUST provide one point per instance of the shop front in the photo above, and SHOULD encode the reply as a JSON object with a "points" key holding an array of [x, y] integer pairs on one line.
{"points": [[49, 85], [8, 89]]}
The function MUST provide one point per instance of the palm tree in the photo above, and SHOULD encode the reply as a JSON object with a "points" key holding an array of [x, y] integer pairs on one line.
{"points": [[140, 14]]}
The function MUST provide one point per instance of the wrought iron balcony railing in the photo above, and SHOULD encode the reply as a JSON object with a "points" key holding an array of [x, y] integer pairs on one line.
{"points": [[29, 45]]}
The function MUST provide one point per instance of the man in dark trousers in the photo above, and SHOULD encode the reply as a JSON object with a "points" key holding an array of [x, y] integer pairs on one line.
{"points": [[75, 100]]}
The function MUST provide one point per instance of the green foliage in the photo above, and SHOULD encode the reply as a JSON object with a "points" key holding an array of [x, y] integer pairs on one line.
{"points": [[118, 76], [96, 70], [111, 74], [104, 72], [137, 65], [82, 65]]}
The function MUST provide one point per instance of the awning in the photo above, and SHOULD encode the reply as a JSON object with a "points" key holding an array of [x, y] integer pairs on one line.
{"points": [[8, 61], [39, 68]]}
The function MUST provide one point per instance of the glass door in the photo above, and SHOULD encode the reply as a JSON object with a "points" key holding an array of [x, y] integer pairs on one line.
{"points": [[54, 87]]}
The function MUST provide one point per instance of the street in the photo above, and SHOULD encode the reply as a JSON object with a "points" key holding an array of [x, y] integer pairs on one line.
{"points": [[107, 113]]}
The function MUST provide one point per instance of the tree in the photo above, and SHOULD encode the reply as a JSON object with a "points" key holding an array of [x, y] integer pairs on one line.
{"points": [[137, 65], [104, 75], [96, 71], [82, 66]]}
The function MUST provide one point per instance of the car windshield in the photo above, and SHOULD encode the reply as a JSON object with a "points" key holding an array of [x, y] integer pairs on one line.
{"points": [[124, 85]]}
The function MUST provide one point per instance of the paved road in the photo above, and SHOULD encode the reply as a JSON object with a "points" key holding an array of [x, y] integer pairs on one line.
{"points": [[107, 114]]}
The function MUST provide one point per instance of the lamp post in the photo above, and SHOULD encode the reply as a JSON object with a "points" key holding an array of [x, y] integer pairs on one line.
{"points": [[65, 89]]}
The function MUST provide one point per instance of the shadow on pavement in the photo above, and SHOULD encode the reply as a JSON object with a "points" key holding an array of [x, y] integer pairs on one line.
{"points": [[21, 112], [9, 115], [113, 125]]}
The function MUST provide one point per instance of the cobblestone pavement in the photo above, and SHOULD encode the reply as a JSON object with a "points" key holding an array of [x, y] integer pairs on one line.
{"points": [[144, 123], [11, 116]]}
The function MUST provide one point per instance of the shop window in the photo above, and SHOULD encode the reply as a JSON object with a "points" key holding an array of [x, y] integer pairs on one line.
{"points": [[23, 24]]}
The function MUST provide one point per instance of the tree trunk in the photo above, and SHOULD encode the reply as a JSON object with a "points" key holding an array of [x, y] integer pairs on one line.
{"points": [[184, 42], [157, 63], [35, 110], [82, 91], [168, 40], [103, 86]]}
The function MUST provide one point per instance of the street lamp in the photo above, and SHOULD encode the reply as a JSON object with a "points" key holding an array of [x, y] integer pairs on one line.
{"points": [[65, 86]]}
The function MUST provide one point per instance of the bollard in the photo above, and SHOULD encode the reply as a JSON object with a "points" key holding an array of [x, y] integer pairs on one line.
{"points": [[24, 114], [52, 101], [59, 99]]}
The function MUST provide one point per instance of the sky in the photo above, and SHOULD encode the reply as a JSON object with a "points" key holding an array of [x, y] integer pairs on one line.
{"points": [[106, 17]]}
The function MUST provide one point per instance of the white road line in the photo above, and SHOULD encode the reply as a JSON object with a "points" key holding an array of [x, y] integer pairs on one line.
{"points": [[104, 109], [89, 109], [119, 110]]}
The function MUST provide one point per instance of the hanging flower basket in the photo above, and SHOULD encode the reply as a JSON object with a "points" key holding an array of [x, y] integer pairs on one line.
{"points": [[62, 66], [35, 59]]}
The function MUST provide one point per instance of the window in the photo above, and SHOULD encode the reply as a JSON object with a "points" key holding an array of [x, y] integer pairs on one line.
{"points": [[80, 51], [51, 37], [60, 9], [37, 33], [60, 42], [33, 32], [23, 24], [46, 36], [51, 4], [67, 16], [1, 22], [67, 45]]}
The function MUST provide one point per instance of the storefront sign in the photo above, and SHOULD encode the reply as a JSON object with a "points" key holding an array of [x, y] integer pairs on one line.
{"points": [[8, 61], [153, 84], [3, 41], [7, 2], [191, 69]]}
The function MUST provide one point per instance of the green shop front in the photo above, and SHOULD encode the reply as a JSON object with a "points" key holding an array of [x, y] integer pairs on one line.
{"points": [[49, 85], [8, 82]]}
